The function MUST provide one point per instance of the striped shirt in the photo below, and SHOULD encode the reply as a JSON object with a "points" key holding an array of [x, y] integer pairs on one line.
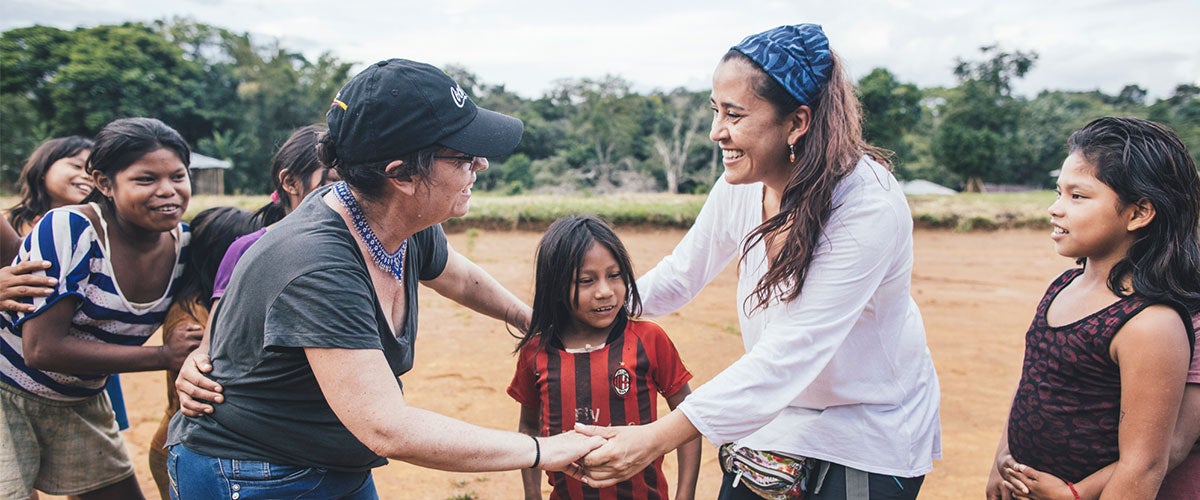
{"points": [[614, 385], [78, 259]]}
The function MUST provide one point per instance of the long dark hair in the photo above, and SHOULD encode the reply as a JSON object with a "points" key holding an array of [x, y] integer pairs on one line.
{"points": [[35, 200], [213, 230], [1142, 160], [125, 141], [559, 256], [298, 155], [824, 156]]}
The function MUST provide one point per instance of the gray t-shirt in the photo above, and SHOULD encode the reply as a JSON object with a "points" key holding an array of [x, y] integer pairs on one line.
{"points": [[304, 284]]}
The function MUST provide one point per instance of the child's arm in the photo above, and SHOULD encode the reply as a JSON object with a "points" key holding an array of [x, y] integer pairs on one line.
{"points": [[47, 346], [1153, 354], [996, 489], [687, 455], [10, 242], [1187, 428], [531, 479]]}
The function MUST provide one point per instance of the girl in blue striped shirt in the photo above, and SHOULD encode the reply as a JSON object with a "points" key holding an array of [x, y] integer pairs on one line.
{"points": [[115, 258]]}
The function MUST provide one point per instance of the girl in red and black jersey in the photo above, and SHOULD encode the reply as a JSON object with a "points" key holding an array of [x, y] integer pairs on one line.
{"points": [[1107, 354], [587, 360]]}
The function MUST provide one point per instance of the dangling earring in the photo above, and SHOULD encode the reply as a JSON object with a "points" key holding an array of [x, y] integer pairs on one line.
{"points": [[791, 153]]}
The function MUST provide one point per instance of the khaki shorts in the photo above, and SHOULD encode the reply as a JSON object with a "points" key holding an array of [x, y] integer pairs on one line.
{"points": [[58, 447]]}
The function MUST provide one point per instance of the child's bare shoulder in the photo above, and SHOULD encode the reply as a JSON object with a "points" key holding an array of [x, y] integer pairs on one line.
{"points": [[1155, 331]]}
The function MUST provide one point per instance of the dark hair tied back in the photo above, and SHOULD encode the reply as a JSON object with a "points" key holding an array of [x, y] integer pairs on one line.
{"points": [[123, 142], [297, 155], [369, 178], [823, 157]]}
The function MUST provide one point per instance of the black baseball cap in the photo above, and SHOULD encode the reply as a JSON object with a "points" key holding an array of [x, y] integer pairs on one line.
{"points": [[396, 107]]}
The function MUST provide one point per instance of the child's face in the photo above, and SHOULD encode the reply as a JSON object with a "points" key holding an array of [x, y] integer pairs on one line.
{"points": [[66, 181], [152, 193], [317, 178], [599, 293], [1088, 218]]}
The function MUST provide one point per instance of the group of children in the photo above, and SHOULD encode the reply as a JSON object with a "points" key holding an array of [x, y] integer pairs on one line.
{"points": [[1100, 407]]}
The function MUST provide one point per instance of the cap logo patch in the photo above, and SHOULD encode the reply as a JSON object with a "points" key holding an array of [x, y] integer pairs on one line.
{"points": [[339, 104], [459, 96]]}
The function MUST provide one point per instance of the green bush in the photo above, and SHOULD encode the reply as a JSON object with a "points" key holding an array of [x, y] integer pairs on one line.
{"points": [[962, 212], [977, 223]]}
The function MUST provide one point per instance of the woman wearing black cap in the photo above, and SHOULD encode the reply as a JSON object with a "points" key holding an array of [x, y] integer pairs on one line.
{"points": [[320, 316], [836, 392]]}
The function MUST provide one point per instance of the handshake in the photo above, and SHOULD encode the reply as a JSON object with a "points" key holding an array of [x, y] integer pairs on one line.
{"points": [[600, 456]]}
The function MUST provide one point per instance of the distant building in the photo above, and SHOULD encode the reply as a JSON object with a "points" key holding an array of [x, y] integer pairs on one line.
{"points": [[922, 186], [208, 174], [1008, 188]]}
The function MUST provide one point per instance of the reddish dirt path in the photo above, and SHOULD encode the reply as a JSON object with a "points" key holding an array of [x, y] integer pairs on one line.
{"points": [[976, 291]]}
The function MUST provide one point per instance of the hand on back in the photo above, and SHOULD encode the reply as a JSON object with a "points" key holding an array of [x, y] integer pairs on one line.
{"points": [[19, 281], [197, 393]]}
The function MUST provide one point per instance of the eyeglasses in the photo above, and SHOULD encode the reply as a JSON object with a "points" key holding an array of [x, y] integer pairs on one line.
{"points": [[467, 159]]}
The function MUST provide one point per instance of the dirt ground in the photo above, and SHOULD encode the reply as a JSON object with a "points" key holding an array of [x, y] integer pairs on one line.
{"points": [[976, 291]]}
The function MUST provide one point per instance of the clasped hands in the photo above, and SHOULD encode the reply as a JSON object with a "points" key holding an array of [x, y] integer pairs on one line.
{"points": [[1012, 480], [623, 452], [619, 454]]}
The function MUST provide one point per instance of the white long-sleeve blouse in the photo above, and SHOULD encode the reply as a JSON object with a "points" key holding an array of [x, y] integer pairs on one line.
{"points": [[841, 373]]}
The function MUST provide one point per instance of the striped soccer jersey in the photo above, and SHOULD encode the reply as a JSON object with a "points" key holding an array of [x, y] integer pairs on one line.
{"points": [[614, 385]]}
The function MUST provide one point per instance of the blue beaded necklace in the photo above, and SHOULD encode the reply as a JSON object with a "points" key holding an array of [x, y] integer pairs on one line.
{"points": [[393, 263]]}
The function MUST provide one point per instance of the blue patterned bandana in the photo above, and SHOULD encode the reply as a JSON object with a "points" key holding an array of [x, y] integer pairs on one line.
{"points": [[797, 57]]}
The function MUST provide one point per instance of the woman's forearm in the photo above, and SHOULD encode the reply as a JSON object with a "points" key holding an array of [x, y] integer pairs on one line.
{"points": [[369, 403], [468, 284]]}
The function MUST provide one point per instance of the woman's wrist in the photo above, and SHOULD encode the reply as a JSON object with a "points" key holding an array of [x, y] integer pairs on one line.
{"points": [[537, 452]]}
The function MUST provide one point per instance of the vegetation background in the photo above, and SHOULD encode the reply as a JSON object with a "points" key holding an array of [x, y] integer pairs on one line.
{"points": [[534, 212], [237, 96], [595, 145]]}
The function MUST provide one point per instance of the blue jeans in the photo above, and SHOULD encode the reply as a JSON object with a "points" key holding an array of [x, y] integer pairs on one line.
{"points": [[196, 476]]}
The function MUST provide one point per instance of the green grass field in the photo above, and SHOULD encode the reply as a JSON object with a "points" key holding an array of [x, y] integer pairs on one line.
{"points": [[962, 212]]}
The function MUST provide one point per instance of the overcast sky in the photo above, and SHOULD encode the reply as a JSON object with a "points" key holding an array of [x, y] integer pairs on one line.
{"points": [[1083, 45]]}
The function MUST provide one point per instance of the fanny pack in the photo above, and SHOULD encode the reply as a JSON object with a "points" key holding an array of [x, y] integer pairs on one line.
{"points": [[769, 474]]}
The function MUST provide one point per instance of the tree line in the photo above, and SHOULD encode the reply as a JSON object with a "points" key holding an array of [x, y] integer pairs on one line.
{"points": [[237, 96]]}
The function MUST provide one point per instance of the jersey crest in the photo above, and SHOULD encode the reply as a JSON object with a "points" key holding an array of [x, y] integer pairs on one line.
{"points": [[621, 381]]}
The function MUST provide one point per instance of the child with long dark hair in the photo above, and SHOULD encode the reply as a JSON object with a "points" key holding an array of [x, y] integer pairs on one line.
{"points": [[213, 230], [584, 334], [52, 177], [116, 260], [1108, 350], [296, 171]]}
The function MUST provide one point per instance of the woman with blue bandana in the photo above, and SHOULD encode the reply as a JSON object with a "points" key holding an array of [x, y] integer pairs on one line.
{"points": [[836, 394]]}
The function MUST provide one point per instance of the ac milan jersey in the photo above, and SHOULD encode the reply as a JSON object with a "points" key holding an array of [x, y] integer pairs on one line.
{"points": [[613, 385]]}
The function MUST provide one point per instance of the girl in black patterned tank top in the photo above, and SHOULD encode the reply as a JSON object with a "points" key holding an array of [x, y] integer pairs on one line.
{"points": [[1107, 353]]}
